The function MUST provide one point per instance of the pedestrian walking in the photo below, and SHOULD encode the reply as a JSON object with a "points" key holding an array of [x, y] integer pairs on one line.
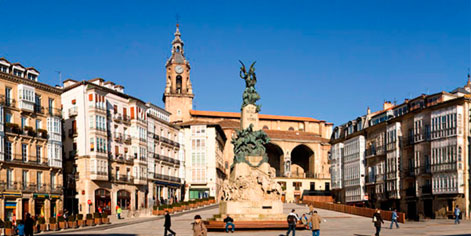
{"points": [[292, 220], [29, 223], [199, 229], [168, 224], [457, 214], [315, 222], [118, 212], [311, 209], [20, 229], [394, 219], [377, 221], [229, 222]]}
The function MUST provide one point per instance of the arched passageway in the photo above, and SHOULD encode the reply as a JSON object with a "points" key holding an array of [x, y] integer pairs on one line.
{"points": [[301, 158], [275, 158], [103, 200]]}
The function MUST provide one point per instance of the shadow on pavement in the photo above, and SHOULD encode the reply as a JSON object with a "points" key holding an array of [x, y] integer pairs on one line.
{"points": [[457, 235]]}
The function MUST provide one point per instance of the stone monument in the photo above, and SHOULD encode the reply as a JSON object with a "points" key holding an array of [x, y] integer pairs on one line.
{"points": [[250, 193]]}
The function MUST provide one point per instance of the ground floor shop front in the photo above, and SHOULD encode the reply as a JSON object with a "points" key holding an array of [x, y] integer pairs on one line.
{"points": [[107, 197], [15, 205], [165, 192]]}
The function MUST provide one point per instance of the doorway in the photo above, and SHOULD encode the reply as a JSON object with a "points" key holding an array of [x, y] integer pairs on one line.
{"points": [[103, 200]]}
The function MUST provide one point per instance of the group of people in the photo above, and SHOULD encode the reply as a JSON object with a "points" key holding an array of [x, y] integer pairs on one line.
{"points": [[199, 229], [312, 223], [25, 227]]}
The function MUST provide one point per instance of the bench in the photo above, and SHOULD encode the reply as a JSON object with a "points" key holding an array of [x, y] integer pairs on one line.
{"points": [[244, 225]]}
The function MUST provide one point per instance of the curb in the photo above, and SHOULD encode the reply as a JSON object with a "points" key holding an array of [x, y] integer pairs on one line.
{"points": [[116, 225]]}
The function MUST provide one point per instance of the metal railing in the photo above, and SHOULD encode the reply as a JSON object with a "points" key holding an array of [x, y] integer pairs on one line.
{"points": [[122, 178], [30, 187]]}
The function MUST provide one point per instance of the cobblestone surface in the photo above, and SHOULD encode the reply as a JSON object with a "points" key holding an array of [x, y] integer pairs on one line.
{"points": [[336, 224]]}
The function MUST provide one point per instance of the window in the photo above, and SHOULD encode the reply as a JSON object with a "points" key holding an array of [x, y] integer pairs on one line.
{"points": [[23, 122], [9, 178], [53, 180], [92, 144], [38, 154], [25, 179], [3, 69], [179, 84], [38, 125], [8, 151], [18, 73], [39, 180], [24, 152], [51, 106], [8, 118], [198, 130], [8, 96], [117, 173], [37, 103]]}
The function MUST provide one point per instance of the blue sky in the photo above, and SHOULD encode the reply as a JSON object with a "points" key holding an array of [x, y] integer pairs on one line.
{"points": [[329, 60]]}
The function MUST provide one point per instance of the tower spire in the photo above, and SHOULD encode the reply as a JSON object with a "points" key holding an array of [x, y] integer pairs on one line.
{"points": [[469, 78]]}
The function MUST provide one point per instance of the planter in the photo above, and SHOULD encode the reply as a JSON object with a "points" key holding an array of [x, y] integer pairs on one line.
{"points": [[98, 221], [177, 209], [80, 223], [62, 225], [9, 232], [155, 212], [170, 210], [192, 205], [72, 224], [161, 212], [89, 222], [42, 227], [212, 201], [53, 227], [105, 220]]}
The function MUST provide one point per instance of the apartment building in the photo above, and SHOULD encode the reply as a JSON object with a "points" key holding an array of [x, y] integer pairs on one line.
{"points": [[416, 155], [204, 161], [165, 157], [30, 144]]}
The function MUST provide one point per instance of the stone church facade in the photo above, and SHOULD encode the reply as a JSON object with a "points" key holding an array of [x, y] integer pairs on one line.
{"points": [[298, 149]]}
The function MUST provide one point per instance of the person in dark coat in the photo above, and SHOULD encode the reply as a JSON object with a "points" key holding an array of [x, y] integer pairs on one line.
{"points": [[229, 222], [377, 221], [29, 223], [167, 224]]}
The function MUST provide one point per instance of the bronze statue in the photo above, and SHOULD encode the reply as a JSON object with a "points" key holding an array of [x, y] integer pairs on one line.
{"points": [[247, 141], [250, 95]]}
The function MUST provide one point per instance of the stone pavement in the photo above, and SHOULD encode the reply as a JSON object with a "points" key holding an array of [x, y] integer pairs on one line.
{"points": [[337, 224]]}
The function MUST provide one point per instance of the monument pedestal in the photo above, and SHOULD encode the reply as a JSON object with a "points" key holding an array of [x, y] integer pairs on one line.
{"points": [[256, 204], [263, 210]]}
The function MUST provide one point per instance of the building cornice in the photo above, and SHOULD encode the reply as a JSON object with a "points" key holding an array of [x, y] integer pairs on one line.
{"points": [[38, 85]]}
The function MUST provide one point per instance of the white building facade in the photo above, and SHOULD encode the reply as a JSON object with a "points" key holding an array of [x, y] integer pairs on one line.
{"points": [[204, 168]]}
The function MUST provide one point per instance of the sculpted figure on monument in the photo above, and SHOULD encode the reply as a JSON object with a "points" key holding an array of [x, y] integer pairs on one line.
{"points": [[250, 143], [255, 186], [250, 95]]}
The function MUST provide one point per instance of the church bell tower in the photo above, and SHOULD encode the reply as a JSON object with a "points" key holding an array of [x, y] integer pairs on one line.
{"points": [[178, 95]]}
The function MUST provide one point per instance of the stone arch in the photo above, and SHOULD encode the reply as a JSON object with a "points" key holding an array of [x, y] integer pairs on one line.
{"points": [[103, 200], [275, 158], [301, 158], [124, 199]]}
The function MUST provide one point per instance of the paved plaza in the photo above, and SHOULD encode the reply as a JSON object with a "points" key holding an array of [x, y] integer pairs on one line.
{"points": [[336, 224]]}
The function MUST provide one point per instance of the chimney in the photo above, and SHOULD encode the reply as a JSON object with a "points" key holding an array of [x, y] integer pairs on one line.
{"points": [[368, 111], [387, 105]]}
